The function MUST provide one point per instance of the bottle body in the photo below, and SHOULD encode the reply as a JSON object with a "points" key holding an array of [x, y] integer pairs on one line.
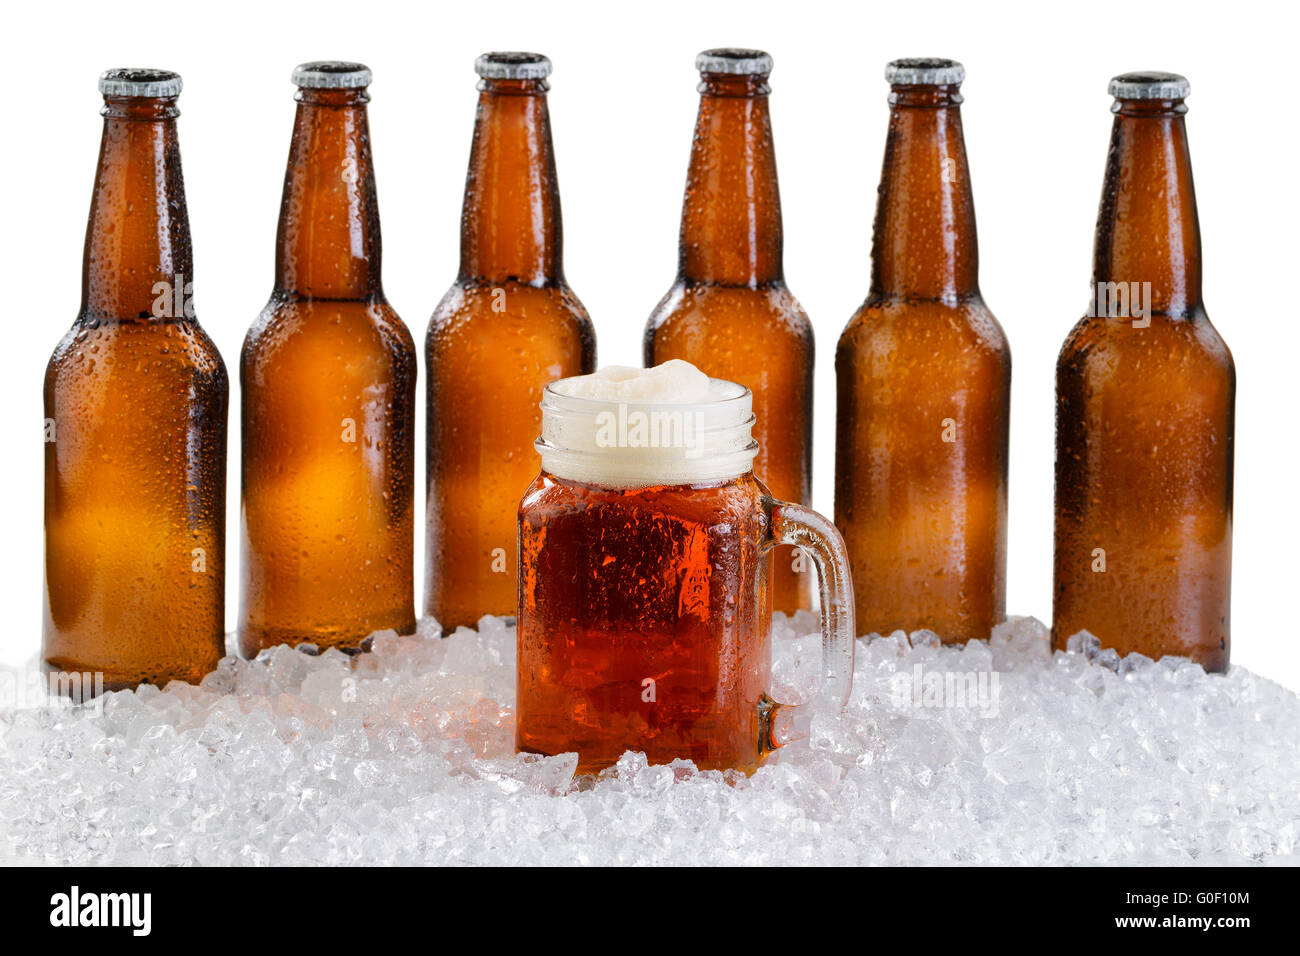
{"points": [[135, 486], [486, 372], [729, 311], [762, 339], [328, 475], [328, 375], [923, 377], [1144, 424], [922, 430], [1145, 393], [508, 326], [135, 401]]}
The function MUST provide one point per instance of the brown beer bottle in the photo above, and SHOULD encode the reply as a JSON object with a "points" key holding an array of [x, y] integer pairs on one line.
{"points": [[1144, 408], [328, 382], [135, 428], [729, 313], [508, 326], [923, 373]]}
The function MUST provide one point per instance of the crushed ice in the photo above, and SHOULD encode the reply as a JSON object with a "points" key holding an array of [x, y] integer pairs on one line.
{"points": [[998, 752]]}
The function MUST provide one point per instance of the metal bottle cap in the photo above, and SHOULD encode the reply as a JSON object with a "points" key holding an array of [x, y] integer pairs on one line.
{"points": [[1150, 85], [331, 75], [924, 71], [512, 66], [738, 62], [145, 83]]}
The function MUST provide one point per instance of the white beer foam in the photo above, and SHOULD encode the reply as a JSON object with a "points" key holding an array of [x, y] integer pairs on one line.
{"points": [[673, 383], [626, 427]]}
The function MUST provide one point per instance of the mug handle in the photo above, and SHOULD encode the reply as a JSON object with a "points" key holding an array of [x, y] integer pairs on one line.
{"points": [[806, 529]]}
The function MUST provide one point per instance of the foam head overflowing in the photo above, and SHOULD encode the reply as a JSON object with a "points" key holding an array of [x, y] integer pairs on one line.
{"points": [[631, 428]]}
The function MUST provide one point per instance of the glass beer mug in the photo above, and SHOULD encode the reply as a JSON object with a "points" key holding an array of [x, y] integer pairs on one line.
{"points": [[644, 604]]}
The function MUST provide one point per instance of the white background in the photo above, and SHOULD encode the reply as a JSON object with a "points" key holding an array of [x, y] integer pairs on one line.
{"points": [[623, 106]]}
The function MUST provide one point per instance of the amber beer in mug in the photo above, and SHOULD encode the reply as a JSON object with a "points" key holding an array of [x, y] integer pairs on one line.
{"points": [[923, 374], [1145, 389], [328, 382], [644, 582], [509, 325], [729, 311], [135, 426]]}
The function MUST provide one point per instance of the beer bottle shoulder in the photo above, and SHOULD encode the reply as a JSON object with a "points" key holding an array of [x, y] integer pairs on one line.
{"points": [[1154, 345], [921, 328], [501, 312], [1145, 415], [692, 310], [112, 349], [342, 328]]}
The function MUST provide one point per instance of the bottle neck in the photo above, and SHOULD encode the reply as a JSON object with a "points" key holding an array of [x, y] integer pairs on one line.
{"points": [[924, 244], [731, 216], [138, 263], [328, 244], [510, 225], [1147, 228]]}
